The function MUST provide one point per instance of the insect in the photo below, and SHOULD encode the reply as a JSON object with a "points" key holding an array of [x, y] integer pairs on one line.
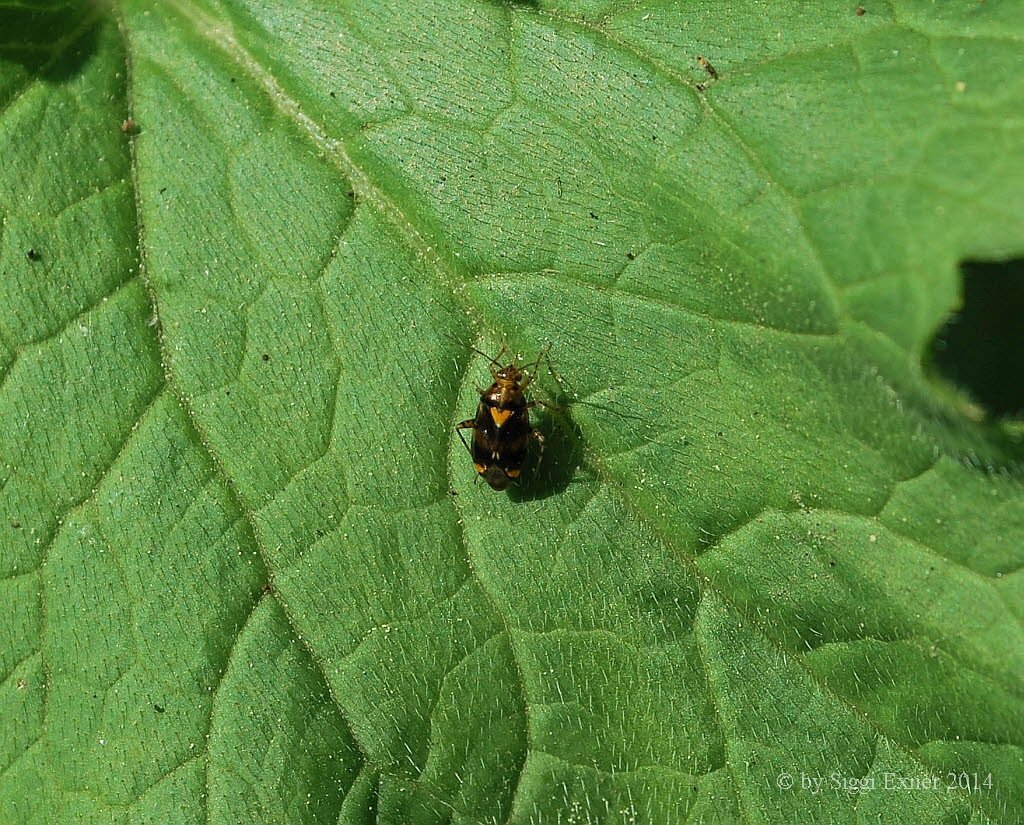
{"points": [[501, 428], [704, 64]]}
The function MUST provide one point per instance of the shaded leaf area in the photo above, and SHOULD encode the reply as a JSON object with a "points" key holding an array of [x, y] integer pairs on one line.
{"points": [[249, 575]]}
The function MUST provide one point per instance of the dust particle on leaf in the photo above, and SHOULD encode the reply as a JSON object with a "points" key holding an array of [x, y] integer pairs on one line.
{"points": [[159, 708], [266, 356], [129, 126], [32, 255], [860, 11]]}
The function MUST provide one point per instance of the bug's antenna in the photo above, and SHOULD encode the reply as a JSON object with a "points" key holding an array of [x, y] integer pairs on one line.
{"points": [[485, 355], [478, 352]]}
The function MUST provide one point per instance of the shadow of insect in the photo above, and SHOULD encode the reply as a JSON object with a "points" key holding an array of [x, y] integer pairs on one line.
{"points": [[550, 471]]}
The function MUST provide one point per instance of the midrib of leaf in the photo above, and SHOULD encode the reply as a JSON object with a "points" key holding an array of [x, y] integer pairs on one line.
{"points": [[367, 190], [374, 195], [370, 193]]}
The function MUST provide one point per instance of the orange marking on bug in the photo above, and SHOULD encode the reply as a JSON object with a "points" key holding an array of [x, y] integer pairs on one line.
{"points": [[480, 468], [499, 416], [512, 473]]}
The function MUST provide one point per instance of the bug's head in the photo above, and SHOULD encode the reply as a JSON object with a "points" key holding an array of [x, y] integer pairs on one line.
{"points": [[510, 375]]}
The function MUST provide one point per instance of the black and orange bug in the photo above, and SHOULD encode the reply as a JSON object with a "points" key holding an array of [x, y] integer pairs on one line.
{"points": [[501, 428]]}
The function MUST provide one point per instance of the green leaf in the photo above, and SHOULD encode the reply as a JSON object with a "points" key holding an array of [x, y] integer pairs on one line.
{"points": [[247, 574]]}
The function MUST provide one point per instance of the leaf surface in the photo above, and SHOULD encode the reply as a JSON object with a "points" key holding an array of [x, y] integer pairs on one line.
{"points": [[248, 575]]}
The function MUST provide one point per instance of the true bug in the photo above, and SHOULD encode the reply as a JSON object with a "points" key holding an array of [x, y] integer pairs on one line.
{"points": [[501, 428]]}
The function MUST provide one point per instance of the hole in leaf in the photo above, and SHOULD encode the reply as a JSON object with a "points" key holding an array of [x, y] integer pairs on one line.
{"points": [[980, 348]]}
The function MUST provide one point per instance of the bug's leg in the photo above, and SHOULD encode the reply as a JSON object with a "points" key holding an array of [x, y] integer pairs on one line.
{"points": [[536, 435], [468, 424], [551, 368], [543, 354]]}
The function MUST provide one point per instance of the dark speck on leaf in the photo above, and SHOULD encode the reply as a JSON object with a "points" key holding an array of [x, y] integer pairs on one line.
{"points": [[159, 708], [593, 215], [631, 256], [266, 356], [32, 255], [163, 189], [16, 525], [332, 94], [860, 11], [831, 562]]}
